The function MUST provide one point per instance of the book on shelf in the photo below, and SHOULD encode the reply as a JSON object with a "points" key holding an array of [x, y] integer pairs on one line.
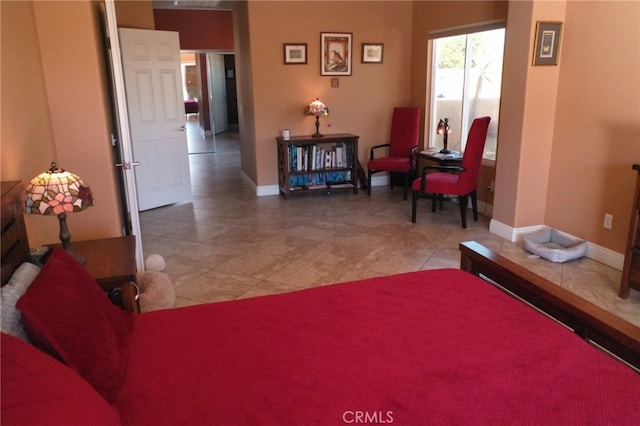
{"points": [[341, 185], [320, 180], [299, 161], [340, 156], [314, 157], [317, 186]]}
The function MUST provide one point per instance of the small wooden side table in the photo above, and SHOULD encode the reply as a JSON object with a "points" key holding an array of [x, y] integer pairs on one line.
{"points": [[112, 263], [436, 159]]}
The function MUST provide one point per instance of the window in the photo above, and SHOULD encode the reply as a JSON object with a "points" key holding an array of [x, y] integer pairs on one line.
{"points": [[466, 81]]}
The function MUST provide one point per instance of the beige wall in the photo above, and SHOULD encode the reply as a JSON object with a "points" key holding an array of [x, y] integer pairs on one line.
{"points": [[570, 133], [596, 136], [363, 103], [27, 134], [52, 63], [244, 87], [527, 119], [135, 14]]}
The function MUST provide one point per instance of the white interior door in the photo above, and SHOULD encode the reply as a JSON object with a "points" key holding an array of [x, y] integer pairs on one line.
{"points": [[153, 82], [122, 124]]}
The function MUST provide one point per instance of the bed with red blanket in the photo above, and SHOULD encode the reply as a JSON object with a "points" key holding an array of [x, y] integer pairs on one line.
{"points": [[429, 347]]}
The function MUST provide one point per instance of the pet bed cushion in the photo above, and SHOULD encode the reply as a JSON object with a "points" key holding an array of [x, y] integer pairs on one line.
{"points": [[67, 315], [554, 246]]}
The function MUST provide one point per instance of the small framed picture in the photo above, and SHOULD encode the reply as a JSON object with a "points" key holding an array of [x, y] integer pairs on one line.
{"points": [[547, 43], [295, 53], [335, 55], [372, 53]]}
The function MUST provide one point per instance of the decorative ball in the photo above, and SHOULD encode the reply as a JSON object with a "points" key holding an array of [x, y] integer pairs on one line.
{"points": [[154, 262]]}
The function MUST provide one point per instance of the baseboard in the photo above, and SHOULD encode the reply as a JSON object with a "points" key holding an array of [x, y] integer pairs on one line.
{"points": [[510, 233], [267, 190], [260, 190], [598, 253], [380, 180], [605, 255]]}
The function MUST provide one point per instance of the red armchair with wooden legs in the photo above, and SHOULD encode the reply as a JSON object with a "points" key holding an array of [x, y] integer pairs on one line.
{"points": [[403, 142], [460, 181]]}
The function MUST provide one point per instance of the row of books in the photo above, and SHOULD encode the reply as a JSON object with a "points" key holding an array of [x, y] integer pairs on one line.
{"points": [[320, 157], [321, 181]]}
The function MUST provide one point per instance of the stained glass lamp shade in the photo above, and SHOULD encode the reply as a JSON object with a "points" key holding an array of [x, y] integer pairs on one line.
{"points": [[57, 192], [317, 108]]}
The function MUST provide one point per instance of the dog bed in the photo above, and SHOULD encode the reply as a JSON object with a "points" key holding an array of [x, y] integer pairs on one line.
{"points": [[554, 246]]}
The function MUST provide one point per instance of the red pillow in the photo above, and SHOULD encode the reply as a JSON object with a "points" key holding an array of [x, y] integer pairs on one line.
{"points": [[38, 390], [66, 314]]}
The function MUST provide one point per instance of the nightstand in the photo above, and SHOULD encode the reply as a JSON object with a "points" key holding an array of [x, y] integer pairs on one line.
{"points": [[112, 263]]}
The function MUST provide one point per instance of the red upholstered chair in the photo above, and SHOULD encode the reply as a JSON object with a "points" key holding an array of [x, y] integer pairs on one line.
{"points": [[405, 130], [460, 181]]}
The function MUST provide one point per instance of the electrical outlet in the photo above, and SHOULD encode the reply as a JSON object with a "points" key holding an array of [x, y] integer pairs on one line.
{"points": [[608, 221]]}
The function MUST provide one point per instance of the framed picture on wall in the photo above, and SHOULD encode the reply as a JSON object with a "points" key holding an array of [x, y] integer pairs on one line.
{"points": [[335, 53], [547, 43], [295, 53], [372, 53]]}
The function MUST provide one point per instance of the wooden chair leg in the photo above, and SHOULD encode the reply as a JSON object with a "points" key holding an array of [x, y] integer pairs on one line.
{"points": [[463, 201], [414, 206], [369, 182], [391, 178], [474, 205]]}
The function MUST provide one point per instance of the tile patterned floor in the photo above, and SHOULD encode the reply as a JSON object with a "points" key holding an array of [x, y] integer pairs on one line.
{"points": [[230, 244]]}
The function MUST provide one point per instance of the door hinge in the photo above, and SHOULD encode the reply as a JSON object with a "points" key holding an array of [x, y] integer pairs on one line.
{"points": [[127, 165]]}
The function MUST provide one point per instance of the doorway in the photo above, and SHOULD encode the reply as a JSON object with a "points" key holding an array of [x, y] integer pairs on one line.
{"points": [[128, 196], [210, 81]]}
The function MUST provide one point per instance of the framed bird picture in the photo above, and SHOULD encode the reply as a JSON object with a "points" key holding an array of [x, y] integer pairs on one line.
{"points": [[336, 53]]}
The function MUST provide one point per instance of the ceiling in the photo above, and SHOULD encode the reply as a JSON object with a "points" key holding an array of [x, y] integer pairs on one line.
{"points": [[186, 4]]}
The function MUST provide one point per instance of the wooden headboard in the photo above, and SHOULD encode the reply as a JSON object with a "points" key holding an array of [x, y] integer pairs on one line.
{"points": [[15, 246]]}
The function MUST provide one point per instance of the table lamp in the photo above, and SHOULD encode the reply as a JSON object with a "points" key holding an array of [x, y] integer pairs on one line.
{"points": [[443, 129], [317, 108], [57, 192]]}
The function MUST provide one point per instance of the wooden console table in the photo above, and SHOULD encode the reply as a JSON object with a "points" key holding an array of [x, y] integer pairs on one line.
{"points": [[437, 159]]}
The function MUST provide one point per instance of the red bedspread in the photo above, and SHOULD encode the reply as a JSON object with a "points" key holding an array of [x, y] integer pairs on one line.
{"points": [[432, 347]]}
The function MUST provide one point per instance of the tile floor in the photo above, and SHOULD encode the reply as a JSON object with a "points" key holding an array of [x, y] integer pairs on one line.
{"points": [[230, 244]]}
